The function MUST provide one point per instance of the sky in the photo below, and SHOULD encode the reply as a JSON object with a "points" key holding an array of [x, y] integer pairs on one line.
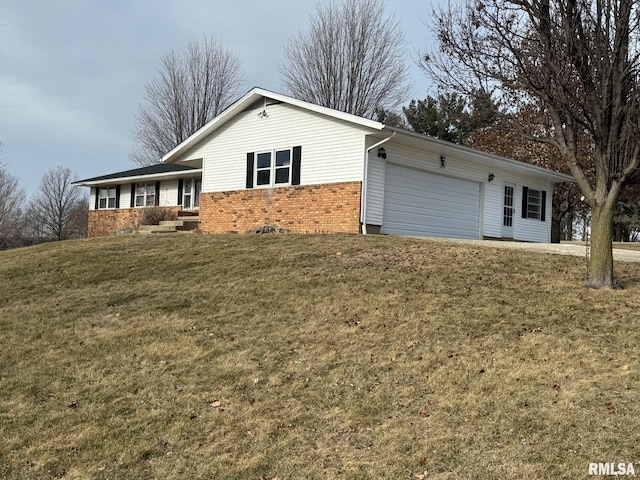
{"points": [[72, 72]]}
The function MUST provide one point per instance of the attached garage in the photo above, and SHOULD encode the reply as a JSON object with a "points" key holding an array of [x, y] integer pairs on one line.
{"points": [[426, 204]]}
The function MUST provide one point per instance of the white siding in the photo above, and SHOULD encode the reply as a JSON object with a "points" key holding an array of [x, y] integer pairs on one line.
{"points": [[332, 150], [375, 189], [125, 195], [491, 200], [169, 193], [527, 229], [492, 218]]}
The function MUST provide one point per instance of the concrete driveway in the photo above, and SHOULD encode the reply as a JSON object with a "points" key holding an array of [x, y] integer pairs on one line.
{"points": [[619, 255]]}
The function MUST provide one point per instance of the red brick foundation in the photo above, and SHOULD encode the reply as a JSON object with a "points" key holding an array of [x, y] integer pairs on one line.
{"points": [[107, 222], [328, 208]]}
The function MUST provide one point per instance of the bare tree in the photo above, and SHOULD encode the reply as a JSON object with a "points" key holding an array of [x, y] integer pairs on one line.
{"points": [[192, 86], [11, 198], [351, 58], [577, 61], [79, 218], [52, 209]]}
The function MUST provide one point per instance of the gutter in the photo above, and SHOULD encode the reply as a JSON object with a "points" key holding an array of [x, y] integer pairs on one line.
{"points": [[363, 207], [153, 176], [485, 156]]}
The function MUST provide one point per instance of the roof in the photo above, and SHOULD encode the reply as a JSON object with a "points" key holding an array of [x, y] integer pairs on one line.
{"points": [[254, 95], [481, 156], [160, 170]]}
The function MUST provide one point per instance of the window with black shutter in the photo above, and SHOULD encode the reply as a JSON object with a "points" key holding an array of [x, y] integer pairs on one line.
{"points": [[274, 168], [534, 203]]}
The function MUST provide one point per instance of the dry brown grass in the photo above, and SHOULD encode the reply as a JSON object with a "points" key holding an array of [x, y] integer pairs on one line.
{"points": [[314, 357]]}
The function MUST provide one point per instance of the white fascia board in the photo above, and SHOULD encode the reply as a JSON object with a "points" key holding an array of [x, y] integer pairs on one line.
{"points": [[155, 176], [485, 158], [347, 117], [249, 98]]}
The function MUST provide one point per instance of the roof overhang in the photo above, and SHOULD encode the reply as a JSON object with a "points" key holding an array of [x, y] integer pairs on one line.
{"points": [[418, 140], [137, 178]]}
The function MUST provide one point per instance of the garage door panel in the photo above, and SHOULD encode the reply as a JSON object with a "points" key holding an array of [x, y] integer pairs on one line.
{"points": [[421, 203], [437, 204], [414, 211]]}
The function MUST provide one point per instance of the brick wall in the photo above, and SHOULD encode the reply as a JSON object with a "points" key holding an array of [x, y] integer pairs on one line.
{"points": [[107, 222], [328, 208]]}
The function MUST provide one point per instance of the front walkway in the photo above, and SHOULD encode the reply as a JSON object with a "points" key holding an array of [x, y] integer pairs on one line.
{"points": [[619, 255]]}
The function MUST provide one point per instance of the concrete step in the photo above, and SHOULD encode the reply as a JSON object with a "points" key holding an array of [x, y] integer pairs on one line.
{"points": [[157, 229], [171, 223], [188, 223]]}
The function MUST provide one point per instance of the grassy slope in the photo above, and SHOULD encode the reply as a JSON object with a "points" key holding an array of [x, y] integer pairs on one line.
{"points": [[311, 357]]}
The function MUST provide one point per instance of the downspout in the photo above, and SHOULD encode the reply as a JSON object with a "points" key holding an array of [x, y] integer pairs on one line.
{"points": [[363, 206]]}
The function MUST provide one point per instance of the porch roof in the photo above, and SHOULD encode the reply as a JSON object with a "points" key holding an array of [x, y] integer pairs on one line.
{"points": [[152, 172]]}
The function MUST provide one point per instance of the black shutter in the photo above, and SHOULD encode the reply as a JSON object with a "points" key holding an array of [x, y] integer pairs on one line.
{"points": [[180, 188], [157, 193], [525, 195], [132, 202], [250, 157], [295, 168], [543, 206], [97, 190], [117, 196]]}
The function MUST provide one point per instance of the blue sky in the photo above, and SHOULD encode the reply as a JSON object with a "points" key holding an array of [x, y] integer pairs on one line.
{"points": [[72, 72]]}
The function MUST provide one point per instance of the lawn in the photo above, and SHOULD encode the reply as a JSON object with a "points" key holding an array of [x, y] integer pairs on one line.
{"points": [[314, 357]]}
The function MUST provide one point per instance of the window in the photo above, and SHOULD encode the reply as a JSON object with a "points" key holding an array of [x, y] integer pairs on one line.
{"points": [[270, 172], [145, 195], [274, 168], [263, 169], [283, 166], [507, 217], [191, 193], [533, 203], [107, 197]]}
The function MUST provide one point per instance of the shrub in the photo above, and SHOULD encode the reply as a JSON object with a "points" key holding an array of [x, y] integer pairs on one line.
{"points": [[155, 215]]}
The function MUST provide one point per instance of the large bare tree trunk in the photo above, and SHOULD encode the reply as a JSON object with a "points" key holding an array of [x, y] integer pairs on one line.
{"points": [[578, 62], [601, 261]]}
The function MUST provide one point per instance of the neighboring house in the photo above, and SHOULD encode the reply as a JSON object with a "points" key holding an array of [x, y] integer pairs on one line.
{"points": [[273, 160]]}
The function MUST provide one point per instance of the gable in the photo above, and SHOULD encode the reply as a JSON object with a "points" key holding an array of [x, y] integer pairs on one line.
{"points": [[332, 149], [254, 99]]}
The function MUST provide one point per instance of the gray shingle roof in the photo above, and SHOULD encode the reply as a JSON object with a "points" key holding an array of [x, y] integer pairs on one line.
{"points": [[136, 172]]}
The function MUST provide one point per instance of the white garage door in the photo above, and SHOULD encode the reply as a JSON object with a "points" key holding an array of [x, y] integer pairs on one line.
{"points": [[424, 204]]}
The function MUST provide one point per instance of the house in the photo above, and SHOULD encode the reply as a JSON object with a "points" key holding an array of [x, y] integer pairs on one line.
{"points": [[270, 159]]}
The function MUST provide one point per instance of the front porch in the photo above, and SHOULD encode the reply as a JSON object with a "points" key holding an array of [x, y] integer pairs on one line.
{"points": [[159, 198], [186, 221]]}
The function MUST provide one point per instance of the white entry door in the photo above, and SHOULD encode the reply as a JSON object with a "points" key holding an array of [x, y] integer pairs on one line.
{"points": [[508, 191], [191, 193]]}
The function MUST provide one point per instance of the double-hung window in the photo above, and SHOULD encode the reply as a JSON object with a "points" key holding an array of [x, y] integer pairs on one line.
{"points": [[191, 192], [533, 203], [107, 197], [145, 194], [273, 168]]}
